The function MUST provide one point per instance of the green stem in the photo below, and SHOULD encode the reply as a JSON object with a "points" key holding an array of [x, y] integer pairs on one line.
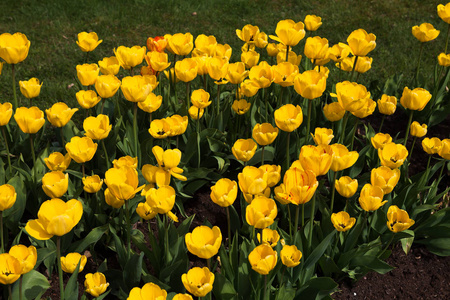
{"points": [[229, 226], [308, 124], [387, 246], [62, 137], [353, 133], [354, 67], [262, 155], [187, 95], [127, 215], [382, 122], [10, 292], [303, 215], [198, 138], [218, 101], [297, 213], [34, 157], [290, 222], [407, 128], [287, 53], [20, 287], [288, 163], [103, 105], [344, 124], [2, 249], [418, 64], [333, 191], [83, 171], [7, 151], [16, 104], [265, 287], [266, 103], [135, 133], [108, 164], [446, 41], [280, 100], [60, 272], [166, 238], [313, 207]]}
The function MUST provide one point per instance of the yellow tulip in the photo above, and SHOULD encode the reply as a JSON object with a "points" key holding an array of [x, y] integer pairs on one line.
{"points": [[363, 64], [31, 88], [269, 237], [159, 61], [218, 69], [289, 33], [290, 256], [81, 149], [431, 145], [250, 58], [361, 42], [316, 48], [264, 134], [322, 136], [123, 183], [298, 186], [384, 177], [168, 161], [346, 187], [248, 33], [206, 44], [92, 184], [252, 182], [129, 57], [158, 43], [371, 197], [398, 219], [241, 106], [263, 259], [126, 161], [339, 52], [224, 192], [342, 158], [249, 88], [261, 212], [288, 117], [293, 58], [162, 199], [107, 85], [224, 50], [418, 130], [351, 95], [145, 211], [198, 281], [137, 88], [178, 124], [151, 103], [27, 257], [95, 284], [312, 22], [109, 65], [284, 73], [444, 151], [8, 196], [159, 128], [11, 269], [112, 200], [182, 297], [204, 242], [415, 99], [5, 113], [272, 49], [14, 47], [97, 128], [57, 162], [87, 99], [55, 217], [261, 74], [1, 67], [87, 73], [425, 32], [316, 158], [392, 155], [30, 120], [88, 41], [200, 98], [444, 59], [272, 174], [342, 221], [244, 149], [444, 12], [149, 291], [310, 84], [60, 114], [380, 140], [186, 69], [333, 111], [387, 104], [236, 73], [70, 262], [181, 44], [55, 184]]}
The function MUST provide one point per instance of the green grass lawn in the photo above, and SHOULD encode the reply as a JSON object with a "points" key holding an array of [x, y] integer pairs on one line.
{"points": [[52, 28]]}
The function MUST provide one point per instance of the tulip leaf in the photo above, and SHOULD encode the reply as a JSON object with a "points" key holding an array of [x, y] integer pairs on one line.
{"points": [[223, 289], [227, 268], [316, 288], [103, 296], [318, 251], [71, 289], [34, 285], [133, 270], [183, 228], [372, 262], [119, 247], [93, 237], [356, 169]]}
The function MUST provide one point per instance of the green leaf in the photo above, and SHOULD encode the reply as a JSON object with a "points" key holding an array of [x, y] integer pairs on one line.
{"points": [[93, 237], [71, 289], [133, 270], [316, 288], [438, 246], [285, 293], [373, 263], [183, 228], [223, 289], [318, 251], [120, 248], [34, 285]]}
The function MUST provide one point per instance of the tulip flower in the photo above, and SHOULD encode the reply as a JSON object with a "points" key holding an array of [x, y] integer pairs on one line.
{"points": [[60, 114], [145, 211], [31, 88], [261, 74], [181, 44], [224, 50], [351, 95], [81, 149], [88, 41], [5, 113], [289, 33], [158, 43], [218, 69], [298, 186], [92, 184], [392, 155], [310, 84], [387, 105], [250, 58], [236, 73], [263, 259], [30, 120], [248, 88], [346, 187], [198, 281], [55, 184], [57, 162], [385, 178], [186, 69], [87, 99], [342, 221], [178, 124], [159, 61], [272, 174], [241, 106], [107, 85], [10, 269], [312, 22], [123, 183], [95, 284], [272, 49], [444, 151], [204, 242], [290, 256], [248, 33], [361, 42], [363, 64], [284, 73], [252, 182], [224, 192], [168, 162], [316, 158], [333, 111], [415, 99], [162, 199], [182, 297], [151, 103], [339, 52], [269, 237], [14, 47], [288, 117], [196, 113], [380, 140], [342, 158], [292, 57], [425, 32], [27, 257], [371, 197], [418, 130], [444, 59], [316, 48], [126, 161], [261, 212], [137, 88], [398, 219], [97, 128], [149, 291], [8, 197], [431, 145], [109, 65], [200, 98], [55, 217], [264, 134], [244, 149], [129, 57], [159, 129], [322, 136], [87, 73], [112, 200], [70, 262]]}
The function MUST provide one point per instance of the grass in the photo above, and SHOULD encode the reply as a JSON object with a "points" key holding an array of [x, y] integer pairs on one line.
{"points": [[52, 28]]}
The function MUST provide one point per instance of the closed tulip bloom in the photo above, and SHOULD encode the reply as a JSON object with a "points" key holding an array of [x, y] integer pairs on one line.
{"points": [[384, 177], [425, 32], [224, 50], [236, 73], [10, 269], [261, 40], [418, 130], [252, 182], [298, 186], [204, 242], [145, 211], [380, 140], [263, 259], [387, 104], [398, 219], [310, 84], [342, 158], [97, 128], [159, 61], [366, 110], [8, 196], [289, 33], [161, 200], [92, 184], [444, 59], [339, 52], [182, 297], [272, 49], [137, 88], [224, 192], [241, 106], [112, 200], [87, 73], [57, 162], [95, 284], [130, 57], [322, 136], [290, 256], [31, 88], [109, 65], [363, 64], [316, 48], [123, 183], [218, 69], [149, 291], [158, 43], [88, 41], [346, 186], [181, 44], [200, 98], [27, 257], [30, 120], [392, 155], [70, 262], [5, 113], [186, 69], [126, 161], [333, 111], [60, 114], [244, 149], [198, 281], [249, 88], [151, 103], [361, 42], [87, 99], [316, 158], [431, 145], [55, 184], [269, 237], [288, 117], [262, 74], [81, 149], [272, 174], [14, 47], [342, 221], [284, 73], [351, 95], [293, 58], [444, 151], [415, 99], [264, 134], [250, 58], [444, 12], [312, 22], [159, 128], [55, 217], [371, 197], [107, 85], [206, 44]]}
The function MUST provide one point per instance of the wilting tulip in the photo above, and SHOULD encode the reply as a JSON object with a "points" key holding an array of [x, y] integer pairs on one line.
{"points": [[109, 65], [262, 74], [288, 117], [398, 219], [81, 149], [310, 84], [333, 111], [252, 182], [431, 145], [224, 192], [298, 186], [425, 32], [92, 184], [27, 257], [289, 33], [261, 212], [392, 155], [322, 136], [338, 52], [95, 284], [55, 184], [418, 130], [263, 259], [204, 242], [312, 22], [129, 57], [269, 237], [87, 73], [14, 47], [31, 88], [97, 128], [123, 183], [351, 95], [88, 41], [371, 197], [30, 120], [415, 99], [5, 113], [342, 158], [145, 211], [8, 196], [55, 217], [107, 85], [444, 151], [361, 42], [385, 178], [244, 149], [264, 134], [284, 73], [241, 106], [87, 99], [346, 187], [200, 98], [198, 281], [380, 140], [168, 161], [57, 162], [316, 158], [387, 104], [11, 269], [70, 262], [137, 88], [112, 200], [290, 256], [60, 114], [342, 221]]}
